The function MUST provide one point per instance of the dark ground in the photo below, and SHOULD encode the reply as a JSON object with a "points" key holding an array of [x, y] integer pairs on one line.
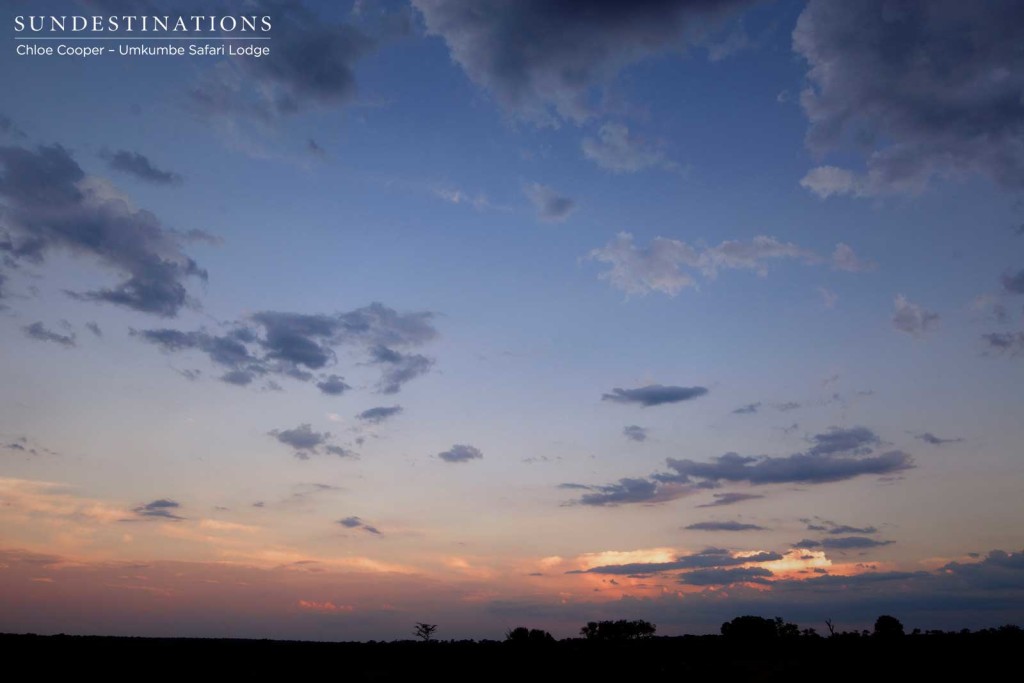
{"points": [[972, 655]]}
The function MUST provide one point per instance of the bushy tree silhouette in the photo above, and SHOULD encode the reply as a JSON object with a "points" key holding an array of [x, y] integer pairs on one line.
{"points": [[531, 636], [623, 629], [888, 627], [749, 627]]}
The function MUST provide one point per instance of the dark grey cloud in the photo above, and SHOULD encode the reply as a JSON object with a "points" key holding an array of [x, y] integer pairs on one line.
{"points": [[39, 332], [729, 499], [654, 395], [924, 89], [333, 385], [139, 166], [725, 577], [301, 438], [340, 451], [550, 205], [852, 441], [296, 344], [398, 368], [625, 491], [94, 328], [707, 558], [50, 204], [847, 529], [788, 406], [842, 543], [928, 437], [1014, 284], [314, 148], [748, 409], [797, 468], [723, 526], [635, 432], [836, 455], [379, 414], [8, 127], [357, 523], [616, 150], [460, 453], [304, 441], [911, 318], [313, 65], [163, 508], [1008, 343], [542, 61]]}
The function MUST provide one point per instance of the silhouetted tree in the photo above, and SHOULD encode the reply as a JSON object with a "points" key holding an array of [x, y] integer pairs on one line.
{"points": [[425, 631], [749, 627], [888, 627], [623, 629], [521, 634]]}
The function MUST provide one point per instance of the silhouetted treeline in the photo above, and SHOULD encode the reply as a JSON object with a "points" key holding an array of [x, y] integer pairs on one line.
{"points": [[769, 649]]}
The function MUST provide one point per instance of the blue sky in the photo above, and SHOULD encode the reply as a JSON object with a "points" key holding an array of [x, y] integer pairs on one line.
{"points": [[574, 247]]}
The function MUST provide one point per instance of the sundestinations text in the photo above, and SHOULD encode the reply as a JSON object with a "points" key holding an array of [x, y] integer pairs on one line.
{"points": [[132, 23]]}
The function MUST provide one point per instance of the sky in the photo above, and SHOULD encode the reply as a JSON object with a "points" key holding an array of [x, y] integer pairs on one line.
{"points": [[497, 314]]}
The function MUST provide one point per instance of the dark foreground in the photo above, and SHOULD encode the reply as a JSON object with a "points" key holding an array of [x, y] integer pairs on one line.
{"points": [[678, 658]]}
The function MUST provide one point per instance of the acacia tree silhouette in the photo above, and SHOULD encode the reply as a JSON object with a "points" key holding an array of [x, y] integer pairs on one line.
{"points": [[425, 631]]}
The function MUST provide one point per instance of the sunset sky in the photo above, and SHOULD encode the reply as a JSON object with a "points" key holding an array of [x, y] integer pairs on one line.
{"points": [[515, 312]]}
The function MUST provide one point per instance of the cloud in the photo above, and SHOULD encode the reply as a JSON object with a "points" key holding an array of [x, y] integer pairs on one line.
{"points": [[844, 543], [313, 65], [828, 297], [930, 438], [836, 455], [551, 206], [803, 468], [910, 318], [94, 328], [852, 440], [748, 409], [398, 368], [635, 432], [723, 526], [654, 395], [305, 442], [39, 332], [669, 266], [295, 344], [704, 559], [724, 577], [999, 343], [139, 166], [51, 205], [357, 523], [729, 499], [8, 127], [846, 529], [460, 453], [616, 150], [1014, 284], [162, 508], [926, 90], [627, 490], [542, 61], [379, 414], [844, 258], [333, 385]]}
